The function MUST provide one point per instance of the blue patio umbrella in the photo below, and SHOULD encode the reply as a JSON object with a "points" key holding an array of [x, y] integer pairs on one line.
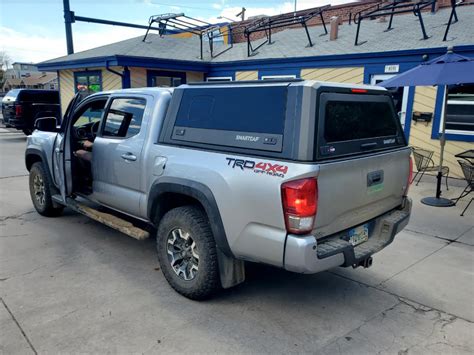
{"points": [[448, 69]]}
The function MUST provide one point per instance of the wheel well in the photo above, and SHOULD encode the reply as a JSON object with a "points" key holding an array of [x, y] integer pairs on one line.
{"points": [[169, 200], [31, 159]]}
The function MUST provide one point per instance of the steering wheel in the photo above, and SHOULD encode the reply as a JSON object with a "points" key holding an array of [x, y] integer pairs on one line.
{"points": [[81, 133]]}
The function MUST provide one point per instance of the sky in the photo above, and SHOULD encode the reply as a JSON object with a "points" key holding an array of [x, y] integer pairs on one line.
{"points": [[33, 30]]}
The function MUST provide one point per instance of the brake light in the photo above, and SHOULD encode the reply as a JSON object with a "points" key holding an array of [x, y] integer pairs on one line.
{"points": [[410, 175], [300, 204], [359, 91], [18, 110]]}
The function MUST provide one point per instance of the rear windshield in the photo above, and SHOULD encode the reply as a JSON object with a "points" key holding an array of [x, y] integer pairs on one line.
{"points": [[49, 97], [350, 120], [244, 117], [355, 123], [11, 95]]}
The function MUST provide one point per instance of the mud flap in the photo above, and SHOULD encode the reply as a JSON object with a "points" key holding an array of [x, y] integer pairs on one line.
{"points": [[231, 270]]}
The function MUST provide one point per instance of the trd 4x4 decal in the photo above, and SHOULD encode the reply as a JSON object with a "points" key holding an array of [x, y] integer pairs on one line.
{"points": [[258, 167]]}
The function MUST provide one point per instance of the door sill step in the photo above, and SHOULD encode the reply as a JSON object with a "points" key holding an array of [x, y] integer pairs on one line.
{"points": [[109, 220]]}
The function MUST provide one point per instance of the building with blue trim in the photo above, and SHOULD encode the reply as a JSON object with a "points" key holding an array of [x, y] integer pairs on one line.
{"points": [[175, 59]]}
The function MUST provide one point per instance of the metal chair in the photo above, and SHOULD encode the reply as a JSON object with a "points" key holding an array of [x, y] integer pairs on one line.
{"points": [[468, 172], [424, 163]]}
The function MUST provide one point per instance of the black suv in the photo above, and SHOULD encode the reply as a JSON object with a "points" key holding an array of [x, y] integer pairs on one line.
{"points": [[21, 107]]}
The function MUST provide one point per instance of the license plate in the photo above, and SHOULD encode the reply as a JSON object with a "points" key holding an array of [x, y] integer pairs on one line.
{"points": [[359, 234]]}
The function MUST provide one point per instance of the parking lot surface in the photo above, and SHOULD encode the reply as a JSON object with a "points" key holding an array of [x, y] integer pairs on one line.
{"points": [[72, 285]]}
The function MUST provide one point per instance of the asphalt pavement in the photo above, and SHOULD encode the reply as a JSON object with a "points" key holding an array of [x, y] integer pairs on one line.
{"points": [[71, 285]]}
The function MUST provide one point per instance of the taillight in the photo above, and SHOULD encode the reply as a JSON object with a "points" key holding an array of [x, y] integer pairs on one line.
{"points": [[18, 110], [410, 175], [300, 204]]}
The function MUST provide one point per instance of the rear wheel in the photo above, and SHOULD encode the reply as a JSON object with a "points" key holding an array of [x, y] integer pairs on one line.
{"points": [[40, 191], [187, 252]]}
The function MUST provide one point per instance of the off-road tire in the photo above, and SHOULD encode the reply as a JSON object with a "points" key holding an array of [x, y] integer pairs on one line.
{"points": [[46, 208], [192, 220]]}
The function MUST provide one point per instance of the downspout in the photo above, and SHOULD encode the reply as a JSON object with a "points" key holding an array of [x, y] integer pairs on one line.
{"points": [[125, 75]]}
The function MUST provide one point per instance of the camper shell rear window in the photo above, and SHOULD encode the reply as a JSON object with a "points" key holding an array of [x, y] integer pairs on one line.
{"points": [[244, 117], [351, 124]]}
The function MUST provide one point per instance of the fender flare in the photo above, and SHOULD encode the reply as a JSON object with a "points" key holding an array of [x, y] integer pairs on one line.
{"points": [[198, 191], [34, 151], [42, 155]]}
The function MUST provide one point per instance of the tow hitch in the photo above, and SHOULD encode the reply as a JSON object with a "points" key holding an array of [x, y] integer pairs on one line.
{"points": [[366, 263]]}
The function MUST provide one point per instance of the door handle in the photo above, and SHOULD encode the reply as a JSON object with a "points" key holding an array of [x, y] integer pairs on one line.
{"points": [[57, 150], [129, 156]]}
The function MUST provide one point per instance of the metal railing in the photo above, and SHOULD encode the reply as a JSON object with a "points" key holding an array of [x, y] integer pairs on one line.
{"points": [[267, 24], [395, 8]]}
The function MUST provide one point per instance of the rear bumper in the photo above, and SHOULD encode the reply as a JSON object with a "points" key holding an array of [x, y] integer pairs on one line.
{"points": [[18, 123], [308, 256]]}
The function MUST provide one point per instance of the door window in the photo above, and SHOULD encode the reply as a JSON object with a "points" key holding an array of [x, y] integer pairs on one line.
{"points": [[91, 113], [124, 117]]}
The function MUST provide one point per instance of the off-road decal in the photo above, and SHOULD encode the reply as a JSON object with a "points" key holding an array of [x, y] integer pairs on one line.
{"points": [[258, 167]]}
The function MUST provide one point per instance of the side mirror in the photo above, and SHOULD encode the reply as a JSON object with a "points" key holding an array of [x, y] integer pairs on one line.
{"points": [[46, 124]]}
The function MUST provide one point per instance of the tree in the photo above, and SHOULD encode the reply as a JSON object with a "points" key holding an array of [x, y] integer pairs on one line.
{"points": [[5, 61]]}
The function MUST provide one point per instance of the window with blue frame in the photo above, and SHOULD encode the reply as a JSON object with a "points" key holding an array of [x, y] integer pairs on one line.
{"points": [[460, 109], [88, 81], [165, 79]]}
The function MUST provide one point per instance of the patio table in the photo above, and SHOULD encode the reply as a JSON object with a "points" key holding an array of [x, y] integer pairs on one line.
{"points": [[467, 155]]}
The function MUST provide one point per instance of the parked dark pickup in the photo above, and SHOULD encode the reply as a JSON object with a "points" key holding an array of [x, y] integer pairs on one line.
{"points": [[21, 107]]}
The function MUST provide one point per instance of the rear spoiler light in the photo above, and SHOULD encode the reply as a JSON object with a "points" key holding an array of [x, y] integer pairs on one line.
{"points": [[359, 91]]}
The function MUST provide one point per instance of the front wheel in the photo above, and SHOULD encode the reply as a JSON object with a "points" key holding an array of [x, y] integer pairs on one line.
{"points": [[27, 131], [187, 252], [40, 191]]}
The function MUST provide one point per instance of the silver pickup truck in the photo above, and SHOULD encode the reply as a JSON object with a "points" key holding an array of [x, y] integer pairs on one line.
{"points": [[302, 175]]}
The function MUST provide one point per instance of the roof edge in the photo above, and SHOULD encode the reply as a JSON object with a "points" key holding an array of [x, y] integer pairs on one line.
{"points": [[199, 65]]}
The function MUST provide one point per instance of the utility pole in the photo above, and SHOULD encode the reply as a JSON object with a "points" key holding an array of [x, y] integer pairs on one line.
{"points": [[242, 14], [67, 23]]}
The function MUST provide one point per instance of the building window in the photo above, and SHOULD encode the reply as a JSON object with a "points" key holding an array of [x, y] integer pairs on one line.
{"points": [[219, 78], [460, 110], [165, 79], [88, 81], [278, 77]]}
